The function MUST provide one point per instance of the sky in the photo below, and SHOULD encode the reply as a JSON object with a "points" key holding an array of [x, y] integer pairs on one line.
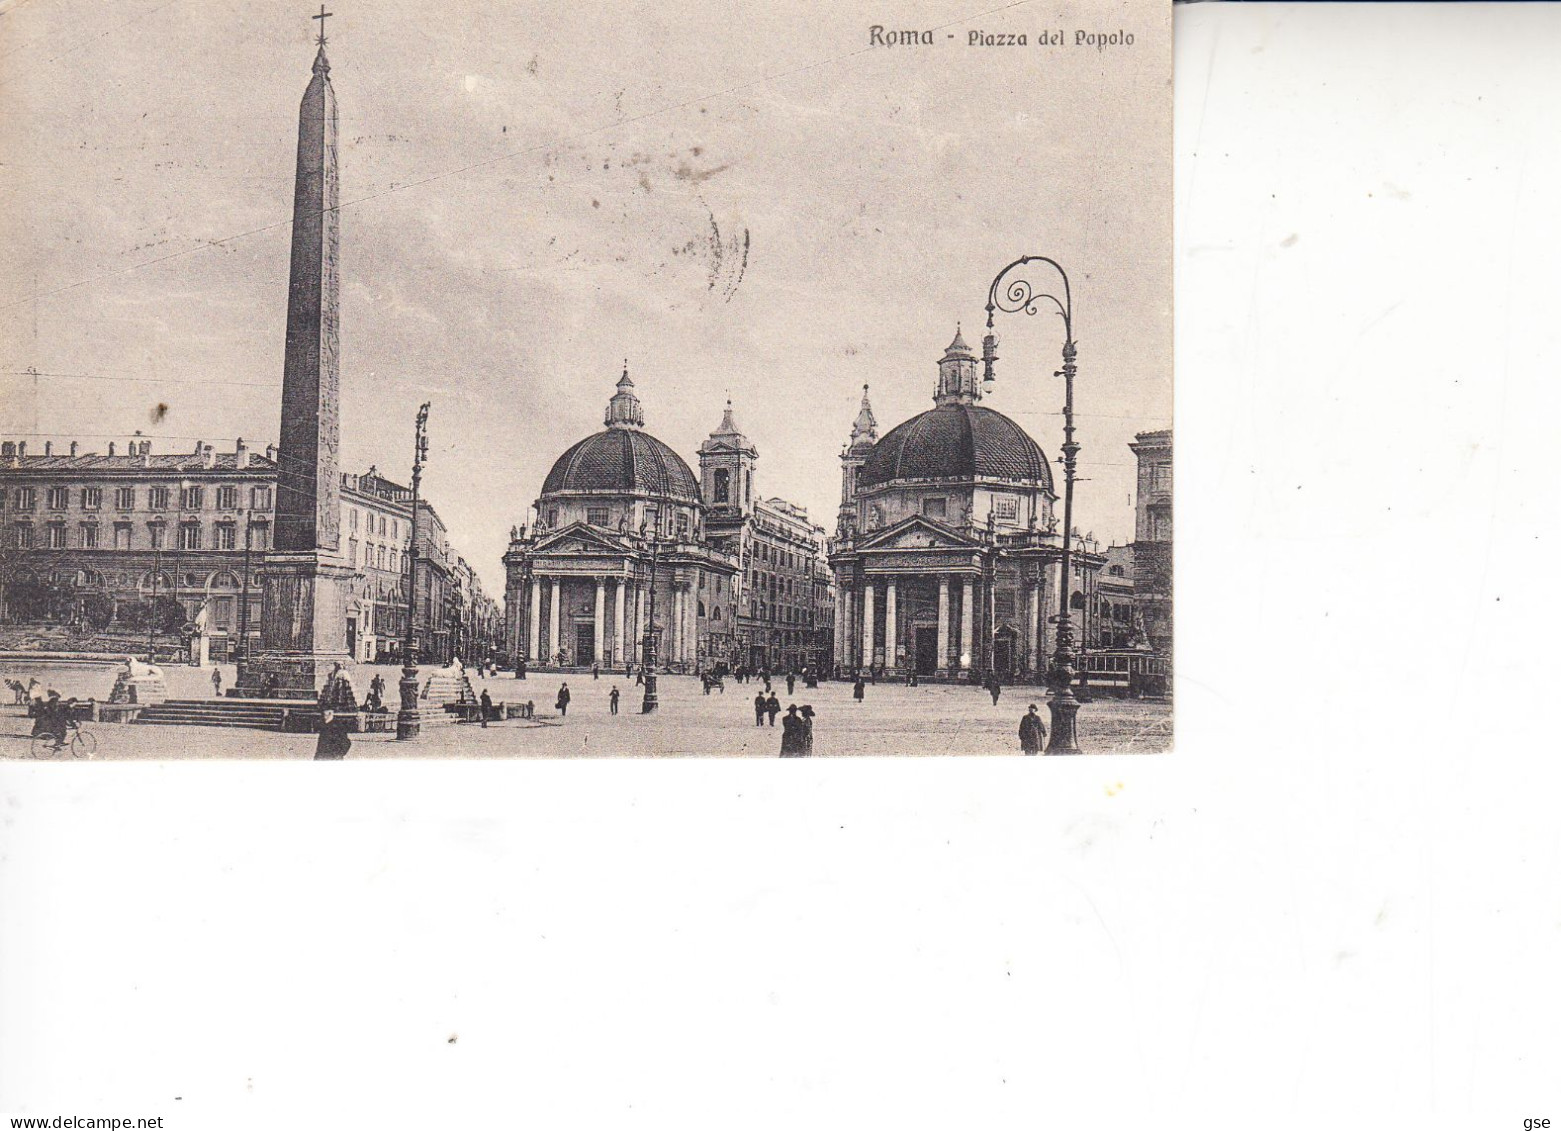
{"points": [[742, 200]]}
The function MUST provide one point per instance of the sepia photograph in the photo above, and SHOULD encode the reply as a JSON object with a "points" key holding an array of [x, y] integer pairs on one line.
{"points": [[524, 381]]}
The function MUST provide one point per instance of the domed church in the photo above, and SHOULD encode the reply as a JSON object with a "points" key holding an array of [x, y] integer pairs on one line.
{"points": [[947, 554], [619, 513]]}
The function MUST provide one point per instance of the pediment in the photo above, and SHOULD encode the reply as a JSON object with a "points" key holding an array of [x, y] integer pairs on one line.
{"points": [[917, 533], [580, 538]]}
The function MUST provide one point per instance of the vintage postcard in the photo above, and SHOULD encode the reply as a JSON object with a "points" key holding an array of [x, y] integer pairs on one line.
{"points": [[526, 379]]}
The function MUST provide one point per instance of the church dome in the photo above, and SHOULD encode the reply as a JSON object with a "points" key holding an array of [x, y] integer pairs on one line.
{"points": [[623, 461], [957, 441]]}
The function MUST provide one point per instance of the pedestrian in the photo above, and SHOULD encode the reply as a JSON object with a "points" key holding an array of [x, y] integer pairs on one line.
{"points": [[563, 701], [791, 682], [1031, 732], [807, 730], [216, 681], [872, 673], [612, 700], [485, 705], [639, 676], [596, 671], [858, 689], [995, 686], [337, 704], [758, 709], [791, 734], [520, 669], [772, 707]]}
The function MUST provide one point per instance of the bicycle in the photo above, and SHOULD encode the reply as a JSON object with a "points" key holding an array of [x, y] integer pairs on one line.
{"points": [[81, 743]]}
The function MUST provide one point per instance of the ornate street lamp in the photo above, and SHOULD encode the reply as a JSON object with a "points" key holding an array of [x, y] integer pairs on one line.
{"points": [[650, 702], [408, 725], [1016, 296]]}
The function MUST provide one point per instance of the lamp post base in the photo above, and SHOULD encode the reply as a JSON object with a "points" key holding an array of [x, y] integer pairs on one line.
{"points": [[649, 704], [1065, 723], [408, 723]]}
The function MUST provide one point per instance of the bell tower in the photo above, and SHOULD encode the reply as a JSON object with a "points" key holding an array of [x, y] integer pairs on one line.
{"points": [[864, 434], [726, 466]]}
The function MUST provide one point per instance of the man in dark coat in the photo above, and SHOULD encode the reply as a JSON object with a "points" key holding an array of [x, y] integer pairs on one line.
{"points": [[995, 686], [772, 707], [858, 689], [562, 702], [338, 702], [1032, 732], [791, 734], [759, 705], [791, 682], [485, 705], [612, 700]]}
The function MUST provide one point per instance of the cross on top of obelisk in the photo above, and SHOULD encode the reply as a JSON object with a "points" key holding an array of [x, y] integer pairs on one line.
{"points": [[322, 18]]}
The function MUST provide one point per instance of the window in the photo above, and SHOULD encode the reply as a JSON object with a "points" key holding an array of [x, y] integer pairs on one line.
{"points": [[552, 516], [1160, 477], [682, 522], [59, 498], [125, 498], [193, 498], [189, 535], [1005, 508], [260, 538], [89, 536], [935, 508], [352, 545], [226, 532], [354, 519], [91, 498], [121, 536], [1003, 599], [723, 485], [23, 536], [227, 498], [381, 526], [596, 516], [260, 499], [1117, 571], [158, 533], [25, 499], [157, 499], [56, 536], [395, 528]]}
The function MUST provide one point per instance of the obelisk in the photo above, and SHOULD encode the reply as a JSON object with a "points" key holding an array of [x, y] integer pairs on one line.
{"points": [[303, 617]]}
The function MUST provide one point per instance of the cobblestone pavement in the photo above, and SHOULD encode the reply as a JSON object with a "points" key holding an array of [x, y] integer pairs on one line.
{"points": [[893, 719]]}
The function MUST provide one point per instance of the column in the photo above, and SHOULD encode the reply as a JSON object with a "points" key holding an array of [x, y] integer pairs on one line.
{"points": [[620, 652], [943, 622], [847, 631], [1034, 657], [691, 618], [552, 626], [599, 636], [890, 631], [967, 615], [675, 645], [868, 591], [534, 630], [639, 622], [842, 595]]}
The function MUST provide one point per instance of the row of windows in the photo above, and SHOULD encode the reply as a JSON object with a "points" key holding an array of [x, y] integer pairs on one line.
{"points": [[190, 536], [376, 557], [375, 523], [191, 498]]}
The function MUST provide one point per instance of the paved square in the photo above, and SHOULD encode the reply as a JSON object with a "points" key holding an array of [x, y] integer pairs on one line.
{"points": [[892, 719]]}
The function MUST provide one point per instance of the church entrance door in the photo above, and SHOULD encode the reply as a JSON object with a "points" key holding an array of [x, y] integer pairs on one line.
{"points": [[585, 644], [926, 650], [1003, 654]]}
